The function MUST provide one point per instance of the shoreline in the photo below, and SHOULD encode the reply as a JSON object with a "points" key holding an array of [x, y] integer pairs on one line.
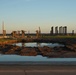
{"points": [[37, 63]]}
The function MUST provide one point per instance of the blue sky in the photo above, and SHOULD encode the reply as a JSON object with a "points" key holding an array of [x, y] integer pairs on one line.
{"points": [[30, 14]]}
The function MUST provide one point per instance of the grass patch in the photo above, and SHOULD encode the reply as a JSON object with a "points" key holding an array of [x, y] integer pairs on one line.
{"points": [[5, 39], [59, 37]]}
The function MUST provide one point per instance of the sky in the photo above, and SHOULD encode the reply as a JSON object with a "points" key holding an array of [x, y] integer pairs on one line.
{"points": [[29, 15]]}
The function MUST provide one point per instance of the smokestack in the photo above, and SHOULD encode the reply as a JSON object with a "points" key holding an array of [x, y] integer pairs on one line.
{"points": [[2, 25]]}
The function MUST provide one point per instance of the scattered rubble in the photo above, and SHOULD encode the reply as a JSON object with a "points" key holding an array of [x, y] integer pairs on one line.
{"points": [[66, 51]]}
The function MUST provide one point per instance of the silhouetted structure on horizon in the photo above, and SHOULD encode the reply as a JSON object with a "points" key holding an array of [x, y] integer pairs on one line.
{"points": [[38, 33], [23, 33], [65, 30], [4, 31], [72, 32], [62, 30], [52, 30], [18, 34], [59, 31], [56, 30], [14, 34]]}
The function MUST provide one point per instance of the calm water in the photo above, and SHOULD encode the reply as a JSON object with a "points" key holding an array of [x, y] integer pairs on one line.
{"points": [[32, 58], [38, 60], [34, 44]]}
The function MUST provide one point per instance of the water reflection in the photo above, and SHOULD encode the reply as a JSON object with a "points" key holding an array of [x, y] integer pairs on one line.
{"points": [[23, 44], [34, 44], [38, 44]]}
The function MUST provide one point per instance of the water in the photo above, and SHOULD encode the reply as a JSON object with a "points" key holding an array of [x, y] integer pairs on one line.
{"points": [[34, 44], [32, 58], [36, 59]]}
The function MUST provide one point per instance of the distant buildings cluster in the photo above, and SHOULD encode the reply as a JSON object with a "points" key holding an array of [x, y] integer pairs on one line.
{"points": [[58, 31], [62, 30], [21, 34]]}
